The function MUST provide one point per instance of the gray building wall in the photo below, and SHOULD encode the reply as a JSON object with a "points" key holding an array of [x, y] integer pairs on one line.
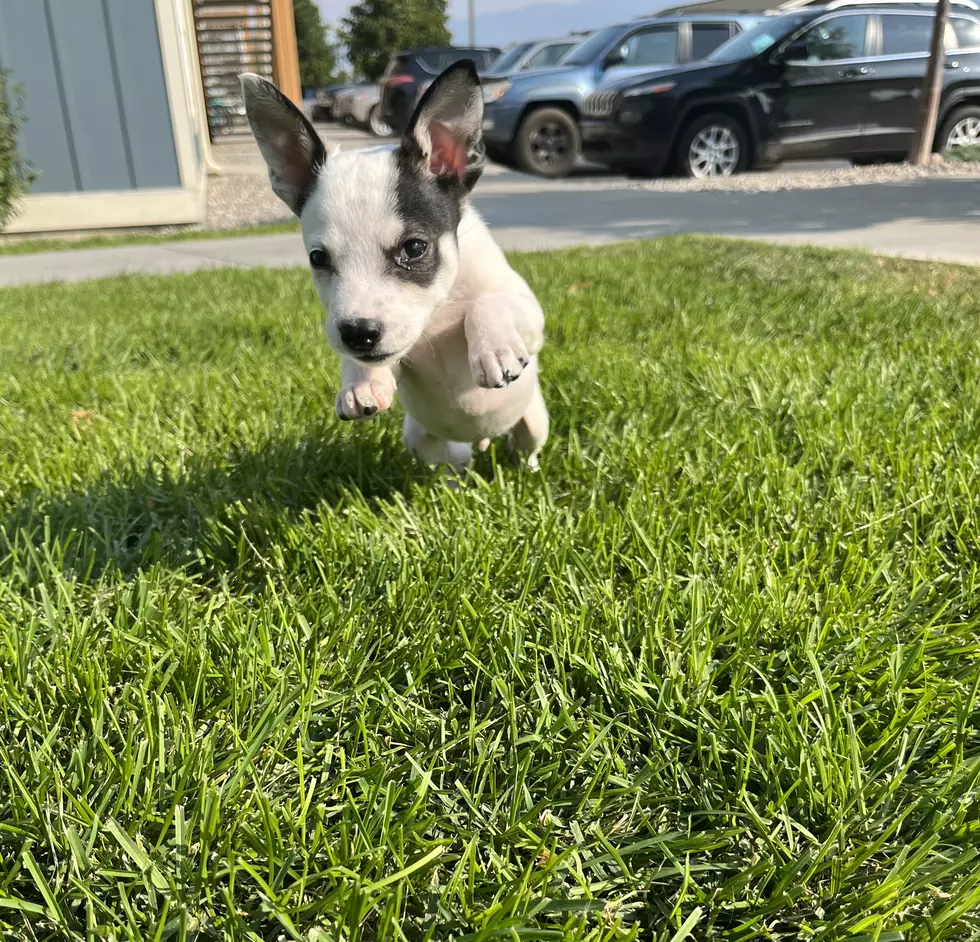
{"points": [[98, 116]]}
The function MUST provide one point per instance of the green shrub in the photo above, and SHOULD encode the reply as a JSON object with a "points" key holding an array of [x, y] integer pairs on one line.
{"points": [[963, 154], [14, 177]]}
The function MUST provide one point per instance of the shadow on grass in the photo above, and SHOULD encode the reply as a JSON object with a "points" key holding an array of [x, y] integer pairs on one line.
{"points": [[216, 518]]}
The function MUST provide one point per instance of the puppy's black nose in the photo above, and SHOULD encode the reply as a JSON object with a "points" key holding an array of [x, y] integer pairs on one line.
{"points": [[361, 336]]}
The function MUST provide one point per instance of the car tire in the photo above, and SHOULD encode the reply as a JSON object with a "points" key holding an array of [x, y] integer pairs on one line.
{"points": [[964, 124], [377, 125], [712, 145], [548, 143]]}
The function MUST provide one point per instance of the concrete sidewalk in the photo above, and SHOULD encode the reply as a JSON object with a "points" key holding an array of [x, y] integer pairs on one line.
{"points": [[936, 219]]}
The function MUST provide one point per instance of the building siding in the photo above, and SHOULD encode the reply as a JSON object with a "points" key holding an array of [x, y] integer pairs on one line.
{"points": [[98, 116]]}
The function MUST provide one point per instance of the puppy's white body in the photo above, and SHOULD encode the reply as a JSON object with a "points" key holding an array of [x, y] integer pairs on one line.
{"points": [[435, 379], [420, 298]]}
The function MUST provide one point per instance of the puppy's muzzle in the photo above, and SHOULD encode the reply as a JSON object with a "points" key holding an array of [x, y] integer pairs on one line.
{"points": [[362, 336]]}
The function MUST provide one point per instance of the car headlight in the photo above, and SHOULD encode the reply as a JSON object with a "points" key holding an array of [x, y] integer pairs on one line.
{"points": [[494, 91], [658, 88]]}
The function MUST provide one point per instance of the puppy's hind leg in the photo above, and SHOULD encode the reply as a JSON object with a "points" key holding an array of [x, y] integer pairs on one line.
{"points": [[435, 451], [530, 434]]}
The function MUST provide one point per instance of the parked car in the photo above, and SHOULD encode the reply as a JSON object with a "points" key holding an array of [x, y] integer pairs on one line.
{"points": [[532, 118], [343, 104], [365, 109], [325, 97], [410, 73], [808, 84], [525, 57]]}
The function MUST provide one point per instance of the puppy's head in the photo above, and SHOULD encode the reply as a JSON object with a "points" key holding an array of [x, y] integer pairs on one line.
{"points": [[379, 225]]}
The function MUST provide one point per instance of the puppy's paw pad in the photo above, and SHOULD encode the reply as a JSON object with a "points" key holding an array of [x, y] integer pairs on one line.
{"points": [[363, 400]]}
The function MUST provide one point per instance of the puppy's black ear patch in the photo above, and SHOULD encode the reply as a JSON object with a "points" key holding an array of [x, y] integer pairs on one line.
{"points": [[289, 144], [445, 135]]}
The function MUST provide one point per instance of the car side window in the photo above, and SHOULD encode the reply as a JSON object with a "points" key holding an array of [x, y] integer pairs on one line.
{"points": [[654, 46], [967, 32], [559, 51], [904, 35], [550, 55], [707, 37], [842, 37]]}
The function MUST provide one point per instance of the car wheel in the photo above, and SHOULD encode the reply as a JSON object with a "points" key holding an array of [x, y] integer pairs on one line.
{"points": [[548, 143], [960, 129], [379, 127], [713, 145]]}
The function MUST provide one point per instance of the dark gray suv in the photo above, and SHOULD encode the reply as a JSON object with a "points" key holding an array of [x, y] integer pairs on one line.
{"points": [[532, 119], [842, 81]]}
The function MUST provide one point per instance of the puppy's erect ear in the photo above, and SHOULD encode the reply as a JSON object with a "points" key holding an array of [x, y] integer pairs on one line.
{"points": [[446, 132], [290, 146]]}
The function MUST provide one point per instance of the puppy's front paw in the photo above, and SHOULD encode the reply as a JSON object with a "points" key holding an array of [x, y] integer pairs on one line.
{"points": [[363, 400], [498, 358]]}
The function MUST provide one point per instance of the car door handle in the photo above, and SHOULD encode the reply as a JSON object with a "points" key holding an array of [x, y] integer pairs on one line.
{"points": [[951, 65], [854, 73]]}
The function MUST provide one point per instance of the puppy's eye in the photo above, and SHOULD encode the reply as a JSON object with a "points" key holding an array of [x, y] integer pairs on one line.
{"points": [[320, 260], [415, 249]]}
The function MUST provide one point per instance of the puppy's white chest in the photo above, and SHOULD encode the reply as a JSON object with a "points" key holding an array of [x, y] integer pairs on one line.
{"points": [[437, 389]]}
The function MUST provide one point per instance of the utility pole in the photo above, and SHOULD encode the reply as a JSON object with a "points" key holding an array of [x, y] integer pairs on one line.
{"points": [[472, 6], [932, 88]]}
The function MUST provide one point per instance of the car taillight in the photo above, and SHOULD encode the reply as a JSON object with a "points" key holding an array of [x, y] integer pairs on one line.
{"points": [[397, 80]]}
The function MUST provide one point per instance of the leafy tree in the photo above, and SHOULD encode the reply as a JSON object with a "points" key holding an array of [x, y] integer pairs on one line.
{"points": [[14, 176], [317, 55], [374, 29]]}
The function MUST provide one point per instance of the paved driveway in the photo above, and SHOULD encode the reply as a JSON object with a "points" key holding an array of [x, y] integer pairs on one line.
{"points": [[926, 219], [929, 219]]}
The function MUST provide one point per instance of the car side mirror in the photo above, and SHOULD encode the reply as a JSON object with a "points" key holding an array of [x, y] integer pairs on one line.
{"points": [[616, 57], [796, 51]]}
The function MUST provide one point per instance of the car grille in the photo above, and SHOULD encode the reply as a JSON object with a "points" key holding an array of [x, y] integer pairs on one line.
{"points": [[600, 104]]}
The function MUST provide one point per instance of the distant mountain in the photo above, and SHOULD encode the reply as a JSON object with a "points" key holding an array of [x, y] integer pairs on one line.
{"points": [[545, 20]]}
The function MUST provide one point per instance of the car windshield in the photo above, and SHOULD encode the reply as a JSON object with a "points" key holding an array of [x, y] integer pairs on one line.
{"points": [[586, 52], [757, 40], [510, 59]]}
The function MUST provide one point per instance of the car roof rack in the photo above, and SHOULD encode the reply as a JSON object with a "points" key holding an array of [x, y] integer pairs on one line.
{"points": [[836, 4], [775, 7]]}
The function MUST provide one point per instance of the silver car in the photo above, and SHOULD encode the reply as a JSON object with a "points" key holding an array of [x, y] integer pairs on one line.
{"points": [[365, 110], [525, 57], [359, 106]]}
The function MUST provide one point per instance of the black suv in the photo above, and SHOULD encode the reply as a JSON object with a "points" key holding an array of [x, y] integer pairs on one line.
{"points": [[410, 73], [822, 82]]}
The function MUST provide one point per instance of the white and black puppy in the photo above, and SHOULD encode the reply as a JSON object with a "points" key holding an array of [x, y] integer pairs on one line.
{"points": [[418, 294]]}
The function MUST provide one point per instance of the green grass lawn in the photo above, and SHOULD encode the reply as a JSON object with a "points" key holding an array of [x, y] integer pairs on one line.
{"points": [[31, 246], [714, 673], [967, 153]]}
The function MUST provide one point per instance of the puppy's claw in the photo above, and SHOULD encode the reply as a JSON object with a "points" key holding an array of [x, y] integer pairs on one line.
{"points": [[363, 400], [497, 366]]}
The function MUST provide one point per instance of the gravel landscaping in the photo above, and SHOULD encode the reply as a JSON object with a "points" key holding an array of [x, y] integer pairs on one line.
{"points": [[814, 179], [236, 200], [241, 196]]}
